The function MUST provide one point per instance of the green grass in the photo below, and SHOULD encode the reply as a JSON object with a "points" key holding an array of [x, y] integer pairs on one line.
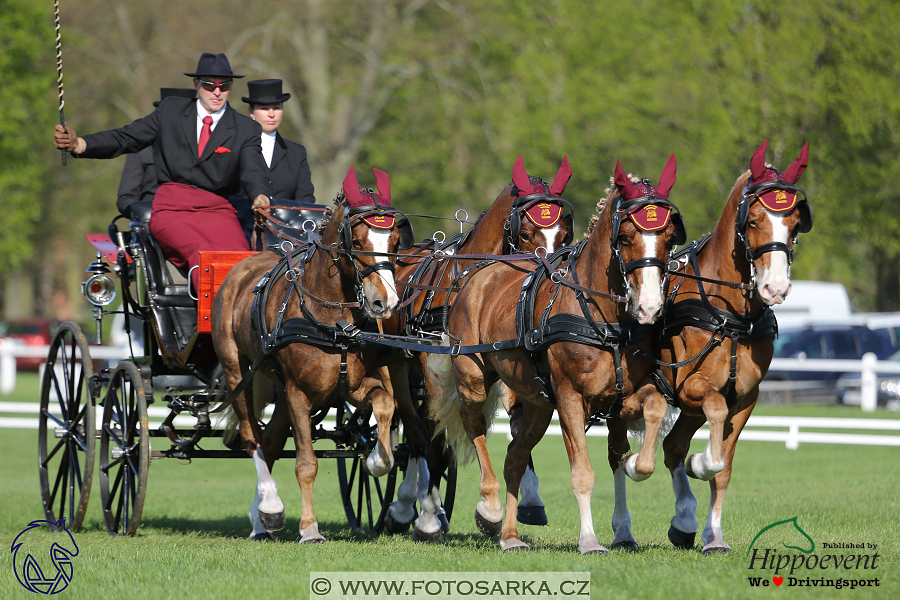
{"points": [[192, 542]]}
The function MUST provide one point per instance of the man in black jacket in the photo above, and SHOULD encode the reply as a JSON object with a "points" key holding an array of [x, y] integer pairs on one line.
{"points": [[288, 166], [138, 182], [204, 152]]}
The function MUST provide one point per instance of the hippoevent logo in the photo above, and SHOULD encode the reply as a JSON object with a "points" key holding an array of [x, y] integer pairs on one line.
{"points": [[837, 565], [40, 569]]}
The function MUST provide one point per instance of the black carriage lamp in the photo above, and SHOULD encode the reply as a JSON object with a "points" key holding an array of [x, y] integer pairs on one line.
{"points": [[99, 289]]}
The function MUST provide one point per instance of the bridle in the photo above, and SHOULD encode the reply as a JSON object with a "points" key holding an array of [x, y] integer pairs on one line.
{"points": [[749, 196], [623, 208], [523, 205]]}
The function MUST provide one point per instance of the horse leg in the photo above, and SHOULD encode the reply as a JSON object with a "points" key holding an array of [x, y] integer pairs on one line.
{"points": [[641, 465], [712, 532], [307, 465], [618, 448], [518, 454], [371, 393], [274, 438], [402, 511], [530, 510], [683, 527], [705, 465], [571, 418]]}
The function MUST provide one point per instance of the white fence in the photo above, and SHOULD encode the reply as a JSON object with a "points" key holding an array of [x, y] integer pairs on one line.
{"points": [[11, 348], [758, 428]]}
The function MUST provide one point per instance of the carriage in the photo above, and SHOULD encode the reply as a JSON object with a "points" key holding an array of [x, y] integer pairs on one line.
{"points": [[83, 405]]}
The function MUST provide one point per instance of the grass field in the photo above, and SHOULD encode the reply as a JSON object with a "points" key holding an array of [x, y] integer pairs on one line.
{"points": [[192, 543]]}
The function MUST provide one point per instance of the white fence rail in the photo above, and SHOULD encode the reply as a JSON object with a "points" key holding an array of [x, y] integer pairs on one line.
{"points": [[759, 428], [10, 349]]}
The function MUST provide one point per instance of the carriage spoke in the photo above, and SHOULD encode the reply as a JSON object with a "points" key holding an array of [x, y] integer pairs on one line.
{"points": [[368, 499], [46, 462], [359, 493]]}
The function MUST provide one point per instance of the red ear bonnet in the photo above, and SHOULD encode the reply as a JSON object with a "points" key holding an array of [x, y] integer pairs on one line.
{"points": [[758, 163], [626, 189], [351, 189], [383, 183], [562, 178], [667, 178], [796, 170]]}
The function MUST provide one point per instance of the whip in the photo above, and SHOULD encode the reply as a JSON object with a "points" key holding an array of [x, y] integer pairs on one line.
{"points": [[59, 80]]}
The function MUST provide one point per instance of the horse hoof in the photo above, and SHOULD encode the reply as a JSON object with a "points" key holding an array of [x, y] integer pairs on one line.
{"points": [[427, 538], [514, 545], [598, 549], [716, 550], [444, 521], [627, 546], [488, 528], [312, 540], [531, 515], [392, 526], [262, 537], [680, 539], [272, 521]]}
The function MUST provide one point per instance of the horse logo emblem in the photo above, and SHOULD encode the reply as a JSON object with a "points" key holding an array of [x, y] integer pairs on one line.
{"points": [[786, 531], [33, 572], [651, 212], [780, 197]]}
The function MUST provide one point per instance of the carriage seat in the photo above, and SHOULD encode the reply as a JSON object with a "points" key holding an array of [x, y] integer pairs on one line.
{"points": [[174, 311], [292, 213]]}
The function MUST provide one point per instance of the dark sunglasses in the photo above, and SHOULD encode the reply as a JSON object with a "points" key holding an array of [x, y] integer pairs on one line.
{"points": [[209, 86]]}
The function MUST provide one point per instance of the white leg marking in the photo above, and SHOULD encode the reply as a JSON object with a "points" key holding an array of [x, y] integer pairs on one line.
{"points": [[403, 508], [630, 465], [528, 489], [621, 519], [712, 533], [427, 521], [685, 518], [703, 466], [379, 461], [266, 490]]}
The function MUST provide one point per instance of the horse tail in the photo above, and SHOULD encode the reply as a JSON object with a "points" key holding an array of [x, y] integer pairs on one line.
{"points": [[444, 404], [636, 428], [228, 420]]}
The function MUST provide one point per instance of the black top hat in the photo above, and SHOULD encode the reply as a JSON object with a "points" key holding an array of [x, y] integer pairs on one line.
{"points": [[265, 91], [179, 92], [213, 65]]}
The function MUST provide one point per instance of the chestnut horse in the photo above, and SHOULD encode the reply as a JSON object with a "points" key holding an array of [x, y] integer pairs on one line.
{"points": [[727, 326], [347, 276], [527, 215], [561, 345]]}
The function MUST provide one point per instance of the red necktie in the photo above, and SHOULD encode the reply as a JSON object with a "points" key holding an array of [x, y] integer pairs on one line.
{"points": [[204, 134]]}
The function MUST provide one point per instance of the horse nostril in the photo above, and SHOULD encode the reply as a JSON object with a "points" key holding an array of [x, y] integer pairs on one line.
{"points": [[378, 305]]}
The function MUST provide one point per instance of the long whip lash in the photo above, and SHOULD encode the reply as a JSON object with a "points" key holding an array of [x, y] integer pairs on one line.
{"points": [[59, 80]]}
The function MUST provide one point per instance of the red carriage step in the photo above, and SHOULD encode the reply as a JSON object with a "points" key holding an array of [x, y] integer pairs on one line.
{"points": [[214, 266]]}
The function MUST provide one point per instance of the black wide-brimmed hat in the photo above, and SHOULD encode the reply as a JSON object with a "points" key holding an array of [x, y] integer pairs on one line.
{"points": [[213, 65], [265, 91], [179, 92]]}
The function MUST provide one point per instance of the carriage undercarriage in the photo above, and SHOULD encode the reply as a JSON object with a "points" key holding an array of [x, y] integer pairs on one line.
{"points": [[113, 403]]}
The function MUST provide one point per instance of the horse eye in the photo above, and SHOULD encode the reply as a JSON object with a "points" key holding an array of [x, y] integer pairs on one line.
{"points": [[624, 241], [525, 236], [751, 223], [357, 243]]}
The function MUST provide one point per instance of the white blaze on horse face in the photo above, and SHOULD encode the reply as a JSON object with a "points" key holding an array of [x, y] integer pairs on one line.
{"points": [[650, 301], [379, 240], [550, 234], [774, 279]]}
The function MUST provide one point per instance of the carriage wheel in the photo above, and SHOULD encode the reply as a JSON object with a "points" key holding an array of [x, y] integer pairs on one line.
{"points": [[124, 450], [366, 499], [66, 449]]}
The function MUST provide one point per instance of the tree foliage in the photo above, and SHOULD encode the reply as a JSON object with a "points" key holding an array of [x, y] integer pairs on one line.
{"points": [[443, 94]]}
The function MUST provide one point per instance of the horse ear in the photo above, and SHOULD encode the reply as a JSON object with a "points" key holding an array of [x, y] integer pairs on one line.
{"points": [[562, 177], [758, 162], [667, 178], [626, 188], [796, 170], [520, 177], [351, 188], [383, 183]]}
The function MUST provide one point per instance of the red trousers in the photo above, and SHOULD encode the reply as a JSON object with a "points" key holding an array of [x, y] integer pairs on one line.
{"points": [[186, 220]]}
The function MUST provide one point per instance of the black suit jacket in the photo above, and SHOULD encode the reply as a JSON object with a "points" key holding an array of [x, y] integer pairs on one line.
{"points": [[138, 180], [289, 173], [172, 131]]}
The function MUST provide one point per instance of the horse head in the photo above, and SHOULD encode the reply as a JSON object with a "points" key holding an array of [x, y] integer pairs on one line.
{"points": [[643, 227], [538, 218], [771, 212], [371, 232]]}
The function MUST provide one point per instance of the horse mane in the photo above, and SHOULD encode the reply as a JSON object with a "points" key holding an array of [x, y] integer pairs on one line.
{"points": [[339, 200], [612, 197]]}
